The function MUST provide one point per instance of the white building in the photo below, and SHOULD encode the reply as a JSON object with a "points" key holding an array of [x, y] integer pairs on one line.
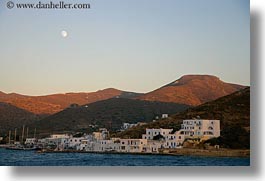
{"points": [[75, 142], [56, 136], [174, 140], [151, 133], [132, 145], [164, 116], [117, 145], [200, 128], [127, 126], [102, 134], [83, 145], [153, 146]]}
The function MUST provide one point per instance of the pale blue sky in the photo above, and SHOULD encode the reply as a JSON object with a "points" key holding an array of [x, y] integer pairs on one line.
{"points": [[134, 45]]}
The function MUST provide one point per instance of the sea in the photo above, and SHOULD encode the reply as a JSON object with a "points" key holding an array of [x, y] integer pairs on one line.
{"points": [[32, 158]]}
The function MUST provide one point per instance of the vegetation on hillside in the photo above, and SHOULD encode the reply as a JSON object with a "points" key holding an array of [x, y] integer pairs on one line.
{"points": [[111, 114]]}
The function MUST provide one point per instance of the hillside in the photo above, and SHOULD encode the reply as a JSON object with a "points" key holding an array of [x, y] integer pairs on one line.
{"points": [[192, 90], [12, 117], [51, 104], [111, 113], [233, 111]]}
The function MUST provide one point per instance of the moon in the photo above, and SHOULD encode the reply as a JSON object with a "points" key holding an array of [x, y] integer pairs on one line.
{"points": [[64, 34]]}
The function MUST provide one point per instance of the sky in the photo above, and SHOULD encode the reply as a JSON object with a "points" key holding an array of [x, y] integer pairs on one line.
{"points": [[132, 45]]}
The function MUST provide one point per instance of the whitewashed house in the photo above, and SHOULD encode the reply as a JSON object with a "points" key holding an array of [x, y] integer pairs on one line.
{"points": [[164, 116], [102, 134], [127, 126], [201, 128], [75, 142], [151, 133], [132, 145], [153, 146], [174, 140]]}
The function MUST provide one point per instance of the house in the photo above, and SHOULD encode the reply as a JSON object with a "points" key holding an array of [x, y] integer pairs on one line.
{"points": [[132, 145], [59, 141], [200, 128], [118, 145], [127, 126], [83, 145], [56, 136], [103, 133], [151, 133], [153, 146], [164, 116], [174, 140], [75, 142]]}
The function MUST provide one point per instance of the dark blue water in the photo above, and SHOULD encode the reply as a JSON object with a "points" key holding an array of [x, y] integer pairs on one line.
{"points": [[31, 158]]}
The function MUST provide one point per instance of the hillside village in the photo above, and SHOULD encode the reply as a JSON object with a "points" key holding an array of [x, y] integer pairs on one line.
{"points": [[151, 142]]}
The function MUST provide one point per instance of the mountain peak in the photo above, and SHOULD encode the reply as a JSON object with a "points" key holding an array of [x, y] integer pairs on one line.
{"points": [[187, 78], [192, 90]]}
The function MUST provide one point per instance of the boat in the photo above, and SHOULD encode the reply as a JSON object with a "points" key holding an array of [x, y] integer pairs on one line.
{"points": [[20, 147]]}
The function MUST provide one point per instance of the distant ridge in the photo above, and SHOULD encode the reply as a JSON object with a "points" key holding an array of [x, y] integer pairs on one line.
{"points": [[54, 103]]}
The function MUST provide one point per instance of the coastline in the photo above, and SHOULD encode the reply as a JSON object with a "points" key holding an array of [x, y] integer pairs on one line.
{"points": [[173, 152]]}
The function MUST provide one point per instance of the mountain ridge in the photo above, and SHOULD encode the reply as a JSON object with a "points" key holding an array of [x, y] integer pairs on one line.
{"points": [[190, 90]]}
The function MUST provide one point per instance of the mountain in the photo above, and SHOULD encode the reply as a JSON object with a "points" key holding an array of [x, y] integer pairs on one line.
{"points": [[12, 117], [111, 113], [189, 90], [192, 90], [51, 104], [233, 111]]}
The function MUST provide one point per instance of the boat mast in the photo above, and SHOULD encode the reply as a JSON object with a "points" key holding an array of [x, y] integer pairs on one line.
{"points": [[23, 134], [34, 132], [15, 139], [9, 136], [27, 132]]}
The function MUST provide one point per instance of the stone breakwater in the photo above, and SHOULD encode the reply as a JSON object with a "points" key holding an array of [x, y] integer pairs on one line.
{"points": [[206, 152]]}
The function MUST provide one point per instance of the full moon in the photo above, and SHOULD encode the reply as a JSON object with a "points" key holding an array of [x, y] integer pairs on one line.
{"points": [[64, 34]]}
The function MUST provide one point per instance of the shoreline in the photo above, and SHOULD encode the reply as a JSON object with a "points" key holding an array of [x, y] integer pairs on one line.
{"points": [[173, 152]]}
